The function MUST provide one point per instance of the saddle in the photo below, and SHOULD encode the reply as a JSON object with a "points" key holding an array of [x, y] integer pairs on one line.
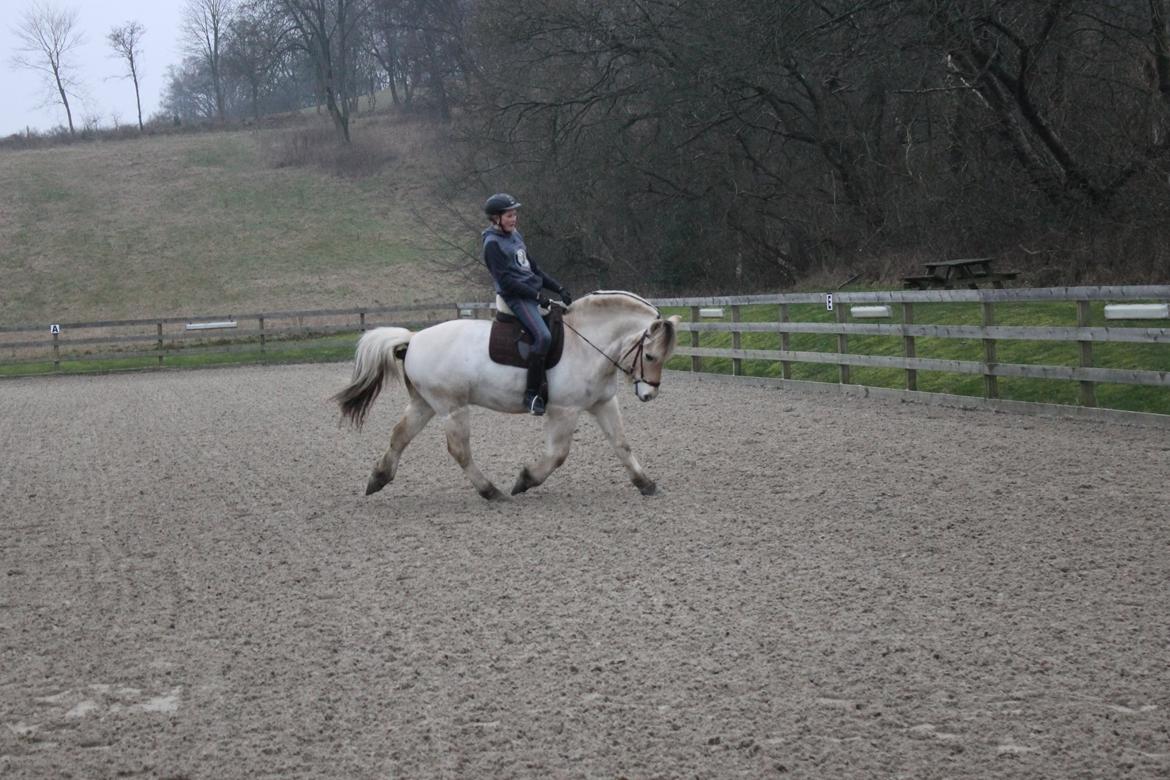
{"points": [[509, 340]]}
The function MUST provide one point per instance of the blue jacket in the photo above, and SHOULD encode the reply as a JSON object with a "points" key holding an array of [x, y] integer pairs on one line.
{"points": [[516, 275]]}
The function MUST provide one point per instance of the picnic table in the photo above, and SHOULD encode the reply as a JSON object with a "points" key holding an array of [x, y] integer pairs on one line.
{"points": [[967, 272]]}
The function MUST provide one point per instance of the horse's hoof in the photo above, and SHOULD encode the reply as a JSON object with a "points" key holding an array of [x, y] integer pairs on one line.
{"points": [[376, 483], [648, 489], [523, 482], [493, 494]]}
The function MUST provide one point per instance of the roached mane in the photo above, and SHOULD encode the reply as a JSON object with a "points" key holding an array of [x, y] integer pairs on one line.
{"points": [[617, 299]]}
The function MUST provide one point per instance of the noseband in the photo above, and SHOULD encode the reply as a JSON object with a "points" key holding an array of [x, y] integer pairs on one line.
{"points": [[639, 352]]}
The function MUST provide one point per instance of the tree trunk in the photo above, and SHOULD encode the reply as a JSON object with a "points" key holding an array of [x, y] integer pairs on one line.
{"points": [[137, 98], [64, 99]]}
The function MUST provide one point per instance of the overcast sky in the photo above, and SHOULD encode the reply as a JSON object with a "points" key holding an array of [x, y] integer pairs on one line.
{"points": [[102, 92]]}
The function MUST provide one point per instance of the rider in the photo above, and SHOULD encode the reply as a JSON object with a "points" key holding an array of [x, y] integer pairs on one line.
{"points": [[521, 284]]}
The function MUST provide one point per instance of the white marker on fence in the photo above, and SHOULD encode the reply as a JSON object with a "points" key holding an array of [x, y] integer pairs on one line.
{"points": [[210, 325], [828, 301], [1137, 311], [714, 312], [869, 311]]}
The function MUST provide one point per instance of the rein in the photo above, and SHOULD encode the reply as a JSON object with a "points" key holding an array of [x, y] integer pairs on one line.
{"points": [[638, 350]]}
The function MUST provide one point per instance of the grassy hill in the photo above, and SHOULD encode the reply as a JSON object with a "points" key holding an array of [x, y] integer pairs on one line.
{"points": [[220, 222]]}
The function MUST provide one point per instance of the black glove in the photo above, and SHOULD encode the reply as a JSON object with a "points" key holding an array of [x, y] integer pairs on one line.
{"points": [[566, 298], [543, 301]]}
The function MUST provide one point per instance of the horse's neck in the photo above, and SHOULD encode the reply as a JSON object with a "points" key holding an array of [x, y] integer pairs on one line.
{"points": [[614, 329]]}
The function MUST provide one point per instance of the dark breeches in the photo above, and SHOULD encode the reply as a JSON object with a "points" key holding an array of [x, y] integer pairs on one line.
{"points": [[528, 313]]}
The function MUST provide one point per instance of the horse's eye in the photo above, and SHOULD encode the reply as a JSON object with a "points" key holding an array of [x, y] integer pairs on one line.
{"points": [[650, 358]]}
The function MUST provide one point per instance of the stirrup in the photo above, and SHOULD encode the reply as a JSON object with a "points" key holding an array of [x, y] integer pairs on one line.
{"points": [[535, 405]]}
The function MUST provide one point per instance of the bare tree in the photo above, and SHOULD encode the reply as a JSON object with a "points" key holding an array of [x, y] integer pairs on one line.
{"points": [[188, 94], [255, 44], [329, 31], [48, 36], [205, 25], [422, 43], [126, 41], [786, 136]]}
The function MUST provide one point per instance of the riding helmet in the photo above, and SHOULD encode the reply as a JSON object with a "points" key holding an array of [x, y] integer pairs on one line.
{"points": [[499, 203]]}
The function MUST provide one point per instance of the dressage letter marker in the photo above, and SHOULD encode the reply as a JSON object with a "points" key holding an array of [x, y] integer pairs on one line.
{"points": [[828, 301], [210, 325], [869, 311], [1137, 311], [54, 329]]}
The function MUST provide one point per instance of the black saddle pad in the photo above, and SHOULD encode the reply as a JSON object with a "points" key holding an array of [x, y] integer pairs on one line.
{"points": [[508, 334]]}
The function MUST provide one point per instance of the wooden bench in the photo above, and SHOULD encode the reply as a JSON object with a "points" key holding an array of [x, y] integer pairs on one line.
{"points": [[927, 282], [947, 282], [995, 279]]}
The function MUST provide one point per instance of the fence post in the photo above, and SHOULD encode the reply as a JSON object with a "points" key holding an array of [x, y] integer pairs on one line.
{"points": [[736, 363], [261, 333], [842, 344], [908, 346], [362, 321], [160, 342], [785, 343], [56, 351], [1088, 389], [990, 383], [696, 361]]}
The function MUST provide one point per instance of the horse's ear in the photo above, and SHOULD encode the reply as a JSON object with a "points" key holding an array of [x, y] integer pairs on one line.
{"points": [[670, 324]]}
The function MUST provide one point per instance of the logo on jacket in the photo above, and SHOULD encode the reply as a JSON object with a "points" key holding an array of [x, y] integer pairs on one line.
{"points": [[522, 258]]}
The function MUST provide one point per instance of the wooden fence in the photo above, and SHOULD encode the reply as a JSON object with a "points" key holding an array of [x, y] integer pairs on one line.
{"points": [[841, 316], [159, 342], [852, 314]]}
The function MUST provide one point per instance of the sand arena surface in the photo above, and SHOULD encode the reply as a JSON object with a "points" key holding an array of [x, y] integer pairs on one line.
{"points": [[193, 585]]}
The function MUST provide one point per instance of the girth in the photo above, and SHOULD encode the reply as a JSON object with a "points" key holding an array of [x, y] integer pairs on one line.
{"points": [[508, 334]]}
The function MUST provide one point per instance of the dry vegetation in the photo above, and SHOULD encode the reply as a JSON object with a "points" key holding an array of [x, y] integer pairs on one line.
{"points": [[227, 222]]}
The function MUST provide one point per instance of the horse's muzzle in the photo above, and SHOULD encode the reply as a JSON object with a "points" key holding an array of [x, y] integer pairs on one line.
{"points": [[644, 392]]}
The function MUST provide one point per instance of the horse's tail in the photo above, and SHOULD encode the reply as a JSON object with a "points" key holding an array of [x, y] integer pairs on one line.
{"points": [[379, 355]]}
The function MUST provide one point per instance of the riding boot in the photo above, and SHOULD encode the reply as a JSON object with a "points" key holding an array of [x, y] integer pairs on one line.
{"points": [[534, 395]]}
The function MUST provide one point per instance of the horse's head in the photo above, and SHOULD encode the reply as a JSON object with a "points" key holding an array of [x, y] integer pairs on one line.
{"points": [[615, 322], [650, 354]]}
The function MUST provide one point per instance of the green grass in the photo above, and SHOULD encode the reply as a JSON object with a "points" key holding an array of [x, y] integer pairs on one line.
{"points": [[1150, 357], [332, 348], [206, 223]]}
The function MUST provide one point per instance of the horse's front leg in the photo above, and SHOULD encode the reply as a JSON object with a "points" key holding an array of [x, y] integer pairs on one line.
{"points": [[559, 425], [458, 428], [418, 413], [609, 417]]}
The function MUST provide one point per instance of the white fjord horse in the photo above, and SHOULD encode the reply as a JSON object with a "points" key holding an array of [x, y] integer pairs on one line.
{"points": [[446, 369]]}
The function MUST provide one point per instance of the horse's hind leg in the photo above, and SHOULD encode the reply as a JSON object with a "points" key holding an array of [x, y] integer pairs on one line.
{"points": [[418, 413], [458, 428], [558, 436], [609, 417]]}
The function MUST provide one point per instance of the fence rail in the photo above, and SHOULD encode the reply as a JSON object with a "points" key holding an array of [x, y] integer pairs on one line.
{"points": [[900, 305], [258, 337], [50, 348]]}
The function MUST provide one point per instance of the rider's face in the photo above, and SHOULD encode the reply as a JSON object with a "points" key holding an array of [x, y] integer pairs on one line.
{"points": [[508, 221]]}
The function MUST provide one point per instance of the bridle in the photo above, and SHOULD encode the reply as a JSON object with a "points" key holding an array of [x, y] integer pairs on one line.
{"points": [[638, 350]]}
